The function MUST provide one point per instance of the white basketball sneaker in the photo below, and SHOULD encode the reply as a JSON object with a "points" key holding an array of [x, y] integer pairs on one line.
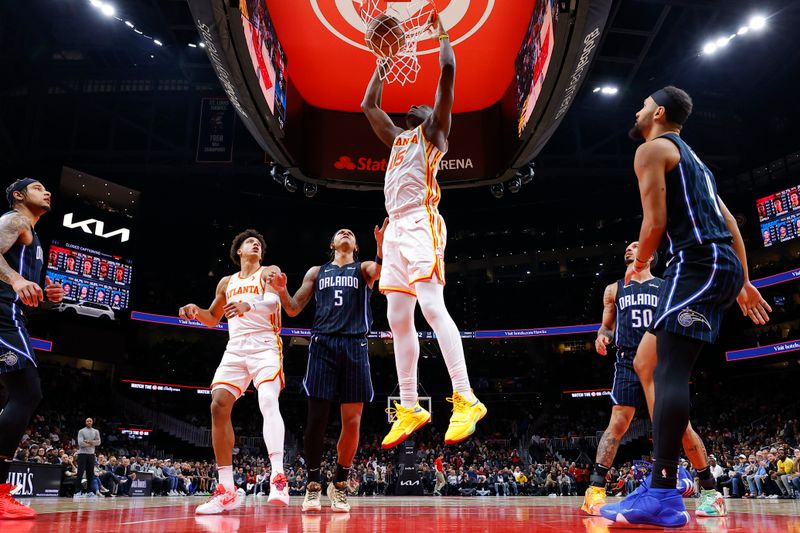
{"points": [[338, 497], [312, 500], [279, 490], [220, 501]]}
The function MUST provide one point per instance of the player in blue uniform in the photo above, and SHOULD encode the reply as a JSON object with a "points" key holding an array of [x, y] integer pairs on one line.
{"points": [[338, 355], [628, 312], [706, 272], [20, 274]]}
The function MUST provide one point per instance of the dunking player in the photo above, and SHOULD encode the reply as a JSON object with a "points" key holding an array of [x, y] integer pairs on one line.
{"points": [[338, 356], [414, 254], [254, 353], [705, 272], [627, 313], [20, 273]]}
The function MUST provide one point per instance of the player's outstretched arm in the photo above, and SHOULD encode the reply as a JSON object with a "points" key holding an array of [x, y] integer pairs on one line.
{"points": [[371, 270], [605, 335], [293, 305], [208, 317], [12, 227], [750, 301], [437, 127], [382, 125]]}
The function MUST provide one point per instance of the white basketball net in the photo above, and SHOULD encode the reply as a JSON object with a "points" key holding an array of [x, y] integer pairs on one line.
{"points": [[414, 16]]}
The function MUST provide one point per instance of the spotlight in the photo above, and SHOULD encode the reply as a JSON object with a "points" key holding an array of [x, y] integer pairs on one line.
{"points": [[596, 90], [743, 30], [527, 177], [497, 190], [514, 185], [192, 45], [129, 24], [609, 90], [709, 48], [757, 22], [202, 45], [721, 42], [310, 190], [276, 173], [289, 183], [96, 3], [108, 10], [157, 42]]}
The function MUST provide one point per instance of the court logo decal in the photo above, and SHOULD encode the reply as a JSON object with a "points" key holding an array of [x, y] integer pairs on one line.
{"points": [[687, 317], [462, 18], [9, 358]]}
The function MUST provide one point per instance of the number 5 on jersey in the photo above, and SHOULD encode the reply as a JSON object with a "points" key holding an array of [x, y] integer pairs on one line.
{"points": [[337, 298], [397, 159]]}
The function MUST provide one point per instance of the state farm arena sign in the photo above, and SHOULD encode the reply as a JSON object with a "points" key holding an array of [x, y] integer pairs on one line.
{"points": [[343, 147]]}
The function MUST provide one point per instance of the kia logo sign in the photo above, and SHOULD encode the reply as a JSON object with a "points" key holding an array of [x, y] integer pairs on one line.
{"points": [[409, 483], [124, 234]]}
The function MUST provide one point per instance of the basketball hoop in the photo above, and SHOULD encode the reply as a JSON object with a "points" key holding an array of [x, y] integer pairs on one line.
{"points": [[414, 17]]}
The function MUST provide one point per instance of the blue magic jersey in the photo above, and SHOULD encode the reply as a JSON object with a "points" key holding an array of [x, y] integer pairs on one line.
{"points": [[636, 304], [28, 261], [694, 216], [342, 297]]}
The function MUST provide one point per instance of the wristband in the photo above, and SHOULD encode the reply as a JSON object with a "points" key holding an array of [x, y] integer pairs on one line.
{"points": [[379, 259], [443, 37]]}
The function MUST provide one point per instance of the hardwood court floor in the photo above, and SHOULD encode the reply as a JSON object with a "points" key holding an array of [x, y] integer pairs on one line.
{"points": [[371, 515]]}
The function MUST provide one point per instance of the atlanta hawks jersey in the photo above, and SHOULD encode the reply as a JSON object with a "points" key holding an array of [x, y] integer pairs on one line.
{"points": [[411, 173], [266, 315]]}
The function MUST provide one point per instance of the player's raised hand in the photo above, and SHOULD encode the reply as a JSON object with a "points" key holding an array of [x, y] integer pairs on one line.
{"points": [[753, 305], [54, 291], [379, 233], [189, 312], [600, 344], [277, 280], [29, 293], [435, 22]]}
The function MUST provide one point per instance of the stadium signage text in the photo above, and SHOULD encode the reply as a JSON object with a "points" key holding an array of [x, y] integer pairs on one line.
{"points": [[99, 228]]}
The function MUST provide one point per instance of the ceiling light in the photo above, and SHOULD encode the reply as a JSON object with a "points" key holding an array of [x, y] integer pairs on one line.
{"points": [[721, 42], [107, 10], [609, 90], [596, 90], [202, 45], [158, 43], [757, 22], [743, 30], [129, 24], [96, 3], [192, 45], [709, 48]]}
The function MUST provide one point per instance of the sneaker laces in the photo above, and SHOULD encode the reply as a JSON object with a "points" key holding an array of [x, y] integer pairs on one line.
{"points": [[313, 495], [396, 411], [280, 481], [339, 495], [460, 405], [218, 492]]}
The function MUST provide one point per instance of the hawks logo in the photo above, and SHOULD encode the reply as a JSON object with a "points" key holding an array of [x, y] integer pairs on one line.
{"points": [[687, 317], [462, 18]]}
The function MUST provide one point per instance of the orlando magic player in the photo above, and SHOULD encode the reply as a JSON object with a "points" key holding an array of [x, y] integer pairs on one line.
{"points": [[20, 274], [627, 313], [254, 354], [338, 355], [706, 270]]}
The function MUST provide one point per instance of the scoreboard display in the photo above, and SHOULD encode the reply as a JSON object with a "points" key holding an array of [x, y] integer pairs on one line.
{"points": [[779, 215]]}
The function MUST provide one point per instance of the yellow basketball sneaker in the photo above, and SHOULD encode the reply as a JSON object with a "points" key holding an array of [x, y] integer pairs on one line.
{"points": [[595, 498], [463, 419], [406, 421]]}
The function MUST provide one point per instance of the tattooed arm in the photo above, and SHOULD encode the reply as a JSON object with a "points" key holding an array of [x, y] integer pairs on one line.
{"points": [[12, 227]]}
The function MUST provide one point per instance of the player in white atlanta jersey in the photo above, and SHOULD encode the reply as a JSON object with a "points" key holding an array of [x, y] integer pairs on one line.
{"points": [[254, 353], [413, 257]]}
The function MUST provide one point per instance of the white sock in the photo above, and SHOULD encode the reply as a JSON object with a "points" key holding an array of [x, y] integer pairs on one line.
{"points": [[431, 301], [400, 312], [226, 477], [274, 430]]}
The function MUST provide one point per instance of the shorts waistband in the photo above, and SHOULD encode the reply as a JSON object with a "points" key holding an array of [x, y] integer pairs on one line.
{"points": [[411, 210]]}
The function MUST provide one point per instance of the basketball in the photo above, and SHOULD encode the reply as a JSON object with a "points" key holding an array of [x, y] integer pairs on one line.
{"points": [[385, 36]]}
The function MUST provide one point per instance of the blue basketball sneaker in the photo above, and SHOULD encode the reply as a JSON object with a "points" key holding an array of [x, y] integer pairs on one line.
{"points": [[649, 507]]}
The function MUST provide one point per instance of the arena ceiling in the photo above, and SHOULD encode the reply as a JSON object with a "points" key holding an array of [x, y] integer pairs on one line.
{"points": [[330, 65]]}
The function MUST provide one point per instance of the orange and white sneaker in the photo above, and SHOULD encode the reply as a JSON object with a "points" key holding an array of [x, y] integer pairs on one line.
{"points": [[220, 501], [279, 490], [11, 509], [406, 420], [594, 499]]}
